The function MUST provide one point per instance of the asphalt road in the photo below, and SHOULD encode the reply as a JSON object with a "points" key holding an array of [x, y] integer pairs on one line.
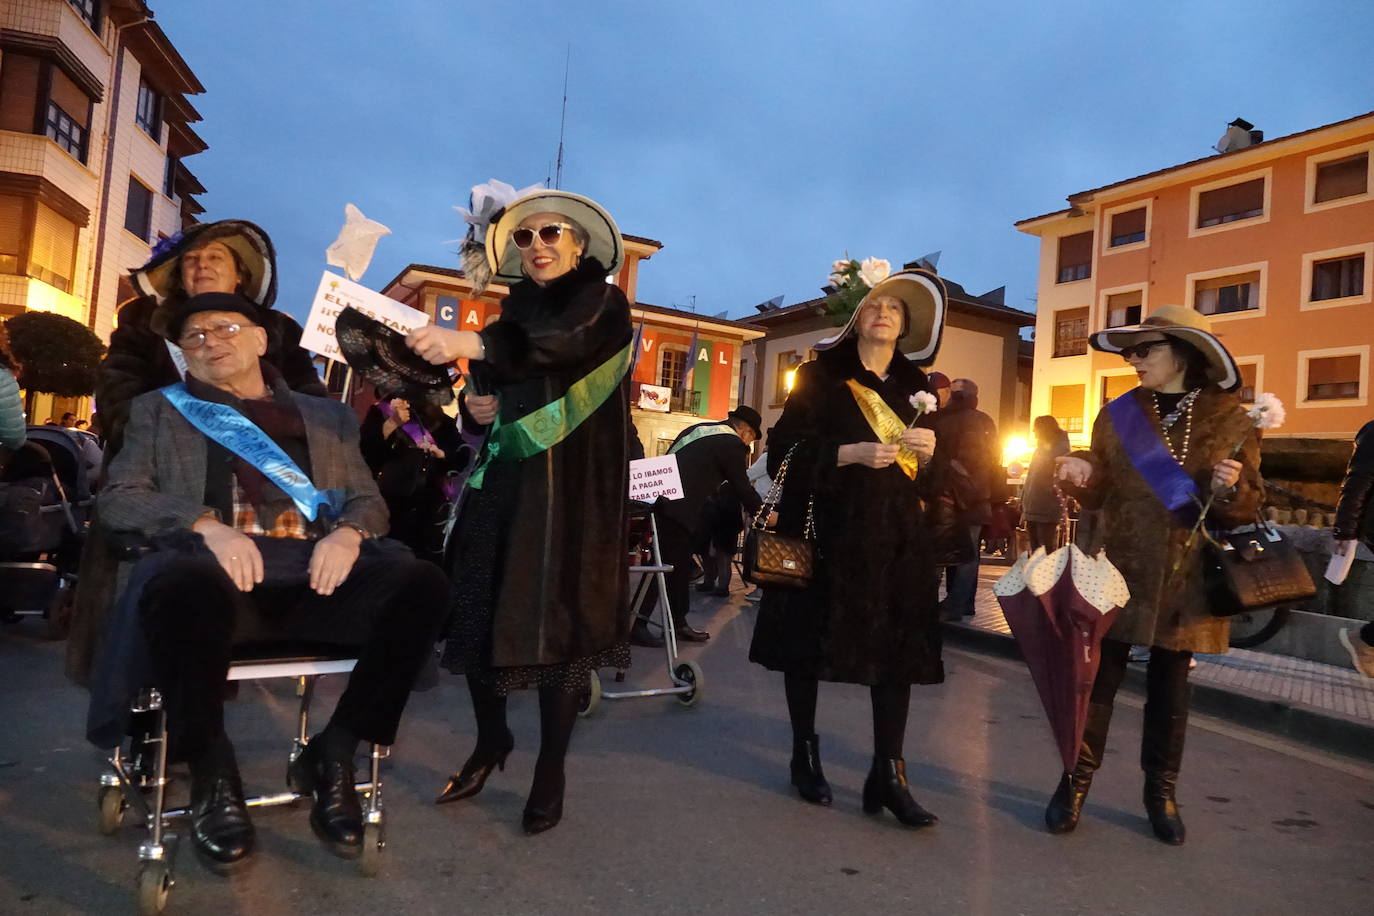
{"points": [[674, 810]]}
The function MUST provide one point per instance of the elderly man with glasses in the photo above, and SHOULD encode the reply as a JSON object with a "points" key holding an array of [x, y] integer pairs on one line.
{"points": [[265, 524]]}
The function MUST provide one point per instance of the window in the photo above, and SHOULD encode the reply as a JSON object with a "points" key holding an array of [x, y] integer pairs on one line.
{"points": [[38, 97], [1231, 293], [169, 176], [1066, 406], [1075, 257], [1228, 204], [12, 234], [785, 375], [1071, 332], [1249, 375], [88, 10], [1124, 308], [1128, 227], [20, 76], [1333, 378], [1342, 178], [1338, 278], [138, 210], [1114, 386], [52, 256], [149, 113], [672, 367]]}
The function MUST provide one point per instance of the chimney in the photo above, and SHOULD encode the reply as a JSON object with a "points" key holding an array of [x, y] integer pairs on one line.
{"points": [[1240, 133]]}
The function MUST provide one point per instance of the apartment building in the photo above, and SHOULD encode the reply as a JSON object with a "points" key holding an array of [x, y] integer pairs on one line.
{"points": [[1273, 239], [95, 128]]}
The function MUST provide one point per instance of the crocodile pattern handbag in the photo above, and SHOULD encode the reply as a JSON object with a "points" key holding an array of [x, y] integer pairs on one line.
{"points": [[776, 560], [1253, 567]]}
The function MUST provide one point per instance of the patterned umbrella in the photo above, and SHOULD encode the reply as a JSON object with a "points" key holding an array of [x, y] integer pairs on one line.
{"points": [[1059, 605]]}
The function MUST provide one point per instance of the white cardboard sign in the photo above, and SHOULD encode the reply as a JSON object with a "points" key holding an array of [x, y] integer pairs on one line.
{"points": [[334, 294], [651, 478]]}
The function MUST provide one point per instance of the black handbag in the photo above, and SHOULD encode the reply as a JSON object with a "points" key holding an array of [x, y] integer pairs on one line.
{"points": [[778, 560], [1253, 567]]}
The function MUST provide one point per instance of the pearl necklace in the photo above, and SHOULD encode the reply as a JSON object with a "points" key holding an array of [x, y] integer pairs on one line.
{"points": [[1184, 410]]}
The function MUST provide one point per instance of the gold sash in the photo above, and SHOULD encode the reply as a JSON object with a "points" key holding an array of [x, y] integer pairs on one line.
{"points": [[886, 425]]}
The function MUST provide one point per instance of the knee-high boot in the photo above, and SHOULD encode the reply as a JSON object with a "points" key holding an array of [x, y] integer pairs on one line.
{"points": [[1161, 746], [1061, 816]]}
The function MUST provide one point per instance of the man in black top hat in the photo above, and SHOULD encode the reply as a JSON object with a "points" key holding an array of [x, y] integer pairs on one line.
{"points": [[707, 455]]}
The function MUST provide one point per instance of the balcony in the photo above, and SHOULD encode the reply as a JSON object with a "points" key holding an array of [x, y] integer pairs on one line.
{"points": [[685, 402]]}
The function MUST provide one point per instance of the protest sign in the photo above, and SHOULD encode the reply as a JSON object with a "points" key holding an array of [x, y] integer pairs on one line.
{"points": [[651, 478], [336, 293]]}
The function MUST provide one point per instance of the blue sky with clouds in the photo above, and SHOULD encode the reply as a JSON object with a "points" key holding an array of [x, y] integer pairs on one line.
{"points": [[757, 140]]}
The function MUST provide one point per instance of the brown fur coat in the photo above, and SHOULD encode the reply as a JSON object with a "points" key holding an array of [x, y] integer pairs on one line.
{"points": [[1143, 539]]}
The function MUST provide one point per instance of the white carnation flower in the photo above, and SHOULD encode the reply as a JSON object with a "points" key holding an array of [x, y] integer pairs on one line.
{"points": [[873, 271], [840, 266], [1267, 412]]}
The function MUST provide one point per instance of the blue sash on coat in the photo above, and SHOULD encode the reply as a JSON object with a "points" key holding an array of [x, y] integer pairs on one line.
{"points": [[1152, 460]]}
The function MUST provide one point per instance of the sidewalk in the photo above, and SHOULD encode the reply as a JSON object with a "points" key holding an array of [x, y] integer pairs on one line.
{"points": [[1309, 701]]}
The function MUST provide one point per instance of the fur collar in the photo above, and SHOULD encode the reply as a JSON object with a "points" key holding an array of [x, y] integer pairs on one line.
{"points": [[562, 289]]}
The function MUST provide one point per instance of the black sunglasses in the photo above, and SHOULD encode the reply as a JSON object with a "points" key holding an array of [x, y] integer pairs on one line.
{"points": [[1140, 350], [549, 235]]}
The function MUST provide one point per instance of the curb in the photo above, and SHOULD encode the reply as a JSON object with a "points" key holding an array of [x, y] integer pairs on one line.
{"points": [[1325, 729]]}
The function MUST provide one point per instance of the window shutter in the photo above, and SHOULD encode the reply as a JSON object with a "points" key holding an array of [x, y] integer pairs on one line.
{"points": [[1342, 178], [18, 92], [11, 232], [70, 98], [1128, 224], [1216, 205], [53, 257]]}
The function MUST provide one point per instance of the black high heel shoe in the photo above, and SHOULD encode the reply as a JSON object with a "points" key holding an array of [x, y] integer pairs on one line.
{"points": [[886, 787], [544, 813], [468, 781], [807, 775]]}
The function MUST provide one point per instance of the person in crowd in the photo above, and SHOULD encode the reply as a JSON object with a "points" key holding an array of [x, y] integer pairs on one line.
{"points": [[1041, 509], [869, 614], [939, 386], [973, 469], [221, 257], [722, 520], [762, 483], [1178, 429], [83, 425], [411, 452], [13, 425], [68, 421], [539, 572], [263, 564], [1354, 524], [708, 455]]}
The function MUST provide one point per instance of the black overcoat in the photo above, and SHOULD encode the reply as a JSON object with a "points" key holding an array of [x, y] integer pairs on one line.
{"points": [[703, 465], [870, 615], [561, 572]]}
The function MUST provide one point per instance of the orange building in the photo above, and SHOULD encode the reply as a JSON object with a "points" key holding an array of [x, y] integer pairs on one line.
{"points": [[1273, 239], [687, 367]]}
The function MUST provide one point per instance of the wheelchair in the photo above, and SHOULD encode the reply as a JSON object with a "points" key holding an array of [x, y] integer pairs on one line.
{"points": [[138, 779]]}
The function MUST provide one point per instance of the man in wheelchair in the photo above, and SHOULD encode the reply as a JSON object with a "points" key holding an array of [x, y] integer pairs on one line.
{"points": [[264, 522]]}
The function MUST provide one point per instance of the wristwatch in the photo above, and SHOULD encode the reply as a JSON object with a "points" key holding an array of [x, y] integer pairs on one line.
{"points": [[354, 525]]}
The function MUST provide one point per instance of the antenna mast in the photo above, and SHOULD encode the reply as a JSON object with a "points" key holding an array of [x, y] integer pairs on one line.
{"points": [[562, 121]]}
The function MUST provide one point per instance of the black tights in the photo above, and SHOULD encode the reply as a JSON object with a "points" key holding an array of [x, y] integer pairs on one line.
{"points": [[557, 716], [890, 706]]}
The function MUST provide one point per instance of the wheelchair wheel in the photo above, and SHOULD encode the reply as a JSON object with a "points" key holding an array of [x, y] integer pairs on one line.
{"points": [[374, 842], [689, 672], [110, 807], [154, 884], [592, 698]]}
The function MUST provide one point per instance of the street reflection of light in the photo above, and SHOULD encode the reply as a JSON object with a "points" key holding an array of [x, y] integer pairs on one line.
{"points": [[789, 379]]}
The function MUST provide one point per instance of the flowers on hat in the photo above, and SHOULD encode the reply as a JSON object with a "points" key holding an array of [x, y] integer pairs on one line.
{"points": [[850, 281], [165, 245]]}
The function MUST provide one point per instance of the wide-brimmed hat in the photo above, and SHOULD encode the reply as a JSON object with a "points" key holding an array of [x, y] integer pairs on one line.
{"points": [[176, 313], [160, 277], [924, 295], [379, 354], [1186, 324], [748, 416], [603, 235]]}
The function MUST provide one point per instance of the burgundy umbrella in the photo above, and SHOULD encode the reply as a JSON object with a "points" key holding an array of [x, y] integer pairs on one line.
{"points": [[1059, 606]]}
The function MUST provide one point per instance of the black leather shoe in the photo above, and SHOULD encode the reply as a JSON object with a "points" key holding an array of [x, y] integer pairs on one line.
{"points": [[1061, 816], [336, 816], [544, 809], [886, 787], [1163, 813], [473, 776], [221, 831], [704, 586], [807, 775], [720, 592], [641, 635], [688, 633]]}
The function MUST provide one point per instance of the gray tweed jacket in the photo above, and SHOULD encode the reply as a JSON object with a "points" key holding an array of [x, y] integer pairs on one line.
{"points": [[156, 484]]}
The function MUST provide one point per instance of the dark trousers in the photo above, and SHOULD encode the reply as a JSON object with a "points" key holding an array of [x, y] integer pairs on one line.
{"points": [[1043, 534], [675, 546], [388, 609], [963, 580]]}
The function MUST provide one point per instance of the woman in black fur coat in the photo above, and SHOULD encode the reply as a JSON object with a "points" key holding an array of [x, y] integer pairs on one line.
{"points": [[870, 614]]}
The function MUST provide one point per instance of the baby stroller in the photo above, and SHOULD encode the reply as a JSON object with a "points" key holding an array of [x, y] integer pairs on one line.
{"points": [[45, 505]]}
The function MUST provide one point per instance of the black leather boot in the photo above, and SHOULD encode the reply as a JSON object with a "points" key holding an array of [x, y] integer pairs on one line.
{"points": [[1067, 804], [221, 831], [807, 775], [473, 776], [336, 815], [886, 787], [1161, 753]]}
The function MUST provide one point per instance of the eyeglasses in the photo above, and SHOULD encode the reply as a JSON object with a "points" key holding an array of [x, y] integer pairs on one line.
{"points": [[549, 235], [196, 339], [1140, 350]]}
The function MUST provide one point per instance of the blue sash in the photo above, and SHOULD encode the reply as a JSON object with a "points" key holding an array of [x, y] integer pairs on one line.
{"points": [[1152, 460], [244, 438]]}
